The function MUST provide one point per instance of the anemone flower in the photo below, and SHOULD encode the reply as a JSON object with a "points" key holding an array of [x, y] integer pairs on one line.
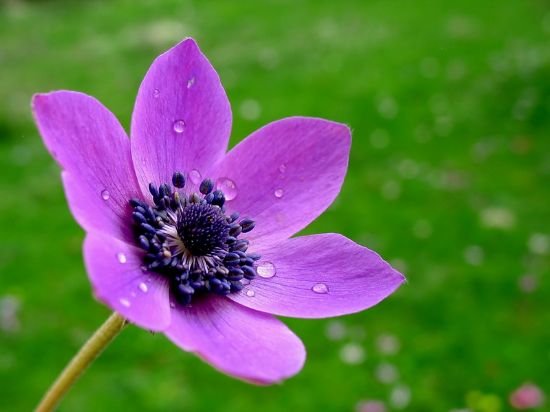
{"points": [[188, 240]]}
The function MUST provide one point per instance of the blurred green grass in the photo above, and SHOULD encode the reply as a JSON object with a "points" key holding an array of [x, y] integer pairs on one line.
{"points": [[449, 180]]}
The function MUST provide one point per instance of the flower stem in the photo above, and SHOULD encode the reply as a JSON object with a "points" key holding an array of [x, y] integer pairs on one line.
{"points": [[91, 350]]}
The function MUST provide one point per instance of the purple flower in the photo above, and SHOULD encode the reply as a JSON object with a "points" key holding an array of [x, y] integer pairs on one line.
{"points": [[186, 239]]}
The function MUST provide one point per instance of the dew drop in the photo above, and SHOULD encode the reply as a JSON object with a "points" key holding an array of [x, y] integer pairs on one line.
{"points": [[124, 302], [195, 176], [143, 269], [172, 305], [143, 287], [190, 82], [245, 281], [156, 93], [320, 288], [279, 193], [179, 126], [282, 168], [250, 293], [266, 270], [121, 257], [228, 187], [105, 195]]}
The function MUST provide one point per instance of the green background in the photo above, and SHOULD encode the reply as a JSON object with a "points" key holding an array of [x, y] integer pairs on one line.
{"points": [[449, 180]]}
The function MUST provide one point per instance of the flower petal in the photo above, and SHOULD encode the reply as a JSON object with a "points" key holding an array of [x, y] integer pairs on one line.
{"points": [[114, 268], [286, 174], [182, 117], [92, 148], [249, 345], [320, 276]]}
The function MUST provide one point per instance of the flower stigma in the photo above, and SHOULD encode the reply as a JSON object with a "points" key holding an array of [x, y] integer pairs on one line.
{"points": [[191, 241]]}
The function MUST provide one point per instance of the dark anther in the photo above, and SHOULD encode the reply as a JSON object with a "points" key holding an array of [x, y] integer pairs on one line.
{"points": [[236, 286], [219, 198], [207, 186], [139, 218], [194, 198], [235, 230], [254, 256], [249, 272], [144, 242], [241, 245], [148, 228], [135, 202], [154, 192], [164, 190], [178, 180], [247, 225], [231, 258]]}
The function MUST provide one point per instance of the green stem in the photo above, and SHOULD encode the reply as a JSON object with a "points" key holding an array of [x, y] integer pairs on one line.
{"points": [[91, 350]]}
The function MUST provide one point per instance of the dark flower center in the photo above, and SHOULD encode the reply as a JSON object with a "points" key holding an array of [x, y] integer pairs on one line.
{"points": [[202, 228], [190, 240]]}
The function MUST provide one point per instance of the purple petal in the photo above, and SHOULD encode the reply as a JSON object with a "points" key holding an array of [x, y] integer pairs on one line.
{"points": [[94, 152], [286, 174], [319, 276], [114, 268], [249, 345], [182, 117]]}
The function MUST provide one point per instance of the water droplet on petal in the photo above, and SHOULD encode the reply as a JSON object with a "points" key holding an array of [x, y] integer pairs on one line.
{"points": [[195, 176], [172, 305], [320, 288], [133, 294], [279, 193], [143, 287], [105, 195], [124, 302], [156, 93], [121, 257], [179, 126], [266, 270], [190, 82], [245, 281], [144, 269], [282, 168], [228, 187], [250, 293]]}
